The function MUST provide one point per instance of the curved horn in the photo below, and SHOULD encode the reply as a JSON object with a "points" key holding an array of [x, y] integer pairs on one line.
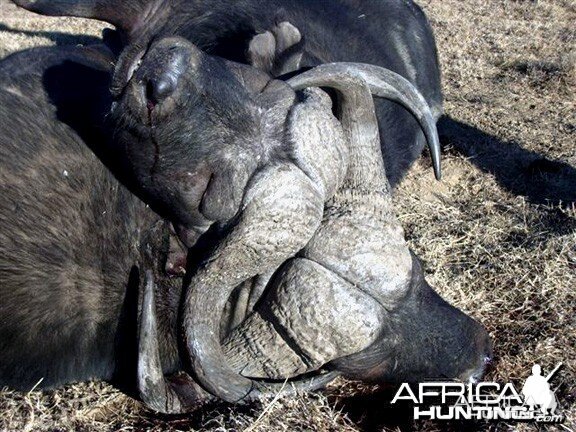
{"points": [[122, 14], [312, 314], [156, 392], [382, 83], [365, 187], [280, 213], [331, 301], [366, 165], [179, 393]]}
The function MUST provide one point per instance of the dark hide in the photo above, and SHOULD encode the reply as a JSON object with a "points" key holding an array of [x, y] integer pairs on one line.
{"points": [[390, 33], [71, 236]]}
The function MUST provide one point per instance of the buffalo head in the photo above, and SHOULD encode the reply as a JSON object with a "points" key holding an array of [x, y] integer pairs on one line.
{"points": [[294, 189], [299, 195], [193, 129]]}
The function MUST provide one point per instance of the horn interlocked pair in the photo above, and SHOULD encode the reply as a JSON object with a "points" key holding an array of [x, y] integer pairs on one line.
{"points": [[220, 366]]}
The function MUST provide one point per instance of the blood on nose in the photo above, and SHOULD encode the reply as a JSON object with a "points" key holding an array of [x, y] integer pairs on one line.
{"points": [[160, 88]]}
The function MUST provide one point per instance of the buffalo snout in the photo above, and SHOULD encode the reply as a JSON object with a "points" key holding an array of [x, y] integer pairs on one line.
{"points": [[425, 338], [161, 71], [151, 81], [160, 87]]}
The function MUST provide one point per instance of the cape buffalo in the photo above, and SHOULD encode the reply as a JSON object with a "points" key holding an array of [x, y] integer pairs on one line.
{"points": [[313, 223], [394, 34], [77, 248], [264, 182], [76, 243]]}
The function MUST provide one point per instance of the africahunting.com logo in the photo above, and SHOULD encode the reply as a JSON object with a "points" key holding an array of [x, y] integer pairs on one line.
{"points": [[485, 400]]}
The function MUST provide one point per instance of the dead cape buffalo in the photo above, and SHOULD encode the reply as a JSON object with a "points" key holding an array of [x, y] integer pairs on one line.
{"points": [[76, 247], [286, 242], [313, 234], [327, 249]]}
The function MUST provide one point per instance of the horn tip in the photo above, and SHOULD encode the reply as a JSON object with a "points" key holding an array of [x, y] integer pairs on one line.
{"points": [[438, 173]]}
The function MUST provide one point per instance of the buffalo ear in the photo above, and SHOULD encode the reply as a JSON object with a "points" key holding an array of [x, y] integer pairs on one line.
{"points": [[277, 51], [122, 14]]}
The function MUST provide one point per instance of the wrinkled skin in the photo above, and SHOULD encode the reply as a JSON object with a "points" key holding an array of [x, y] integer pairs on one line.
{"points": [[267, 209], [302, 169]]}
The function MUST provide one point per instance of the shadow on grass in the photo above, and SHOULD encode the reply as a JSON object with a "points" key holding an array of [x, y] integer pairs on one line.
{"points": [[520, 171], [212, 416], [373, 411], [59, 38]]}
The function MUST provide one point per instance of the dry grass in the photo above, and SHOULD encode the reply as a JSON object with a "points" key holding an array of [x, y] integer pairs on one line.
{"points": [[497, 236]]}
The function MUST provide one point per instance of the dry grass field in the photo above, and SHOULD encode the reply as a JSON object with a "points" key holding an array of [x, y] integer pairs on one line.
{"points": [[497, 236]]}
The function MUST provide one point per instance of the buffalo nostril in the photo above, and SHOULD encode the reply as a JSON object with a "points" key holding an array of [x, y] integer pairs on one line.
{"points": [[158, 89]]}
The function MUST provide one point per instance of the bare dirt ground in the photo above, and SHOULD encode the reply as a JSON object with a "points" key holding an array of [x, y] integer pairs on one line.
{"points": [[497, 236]]}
